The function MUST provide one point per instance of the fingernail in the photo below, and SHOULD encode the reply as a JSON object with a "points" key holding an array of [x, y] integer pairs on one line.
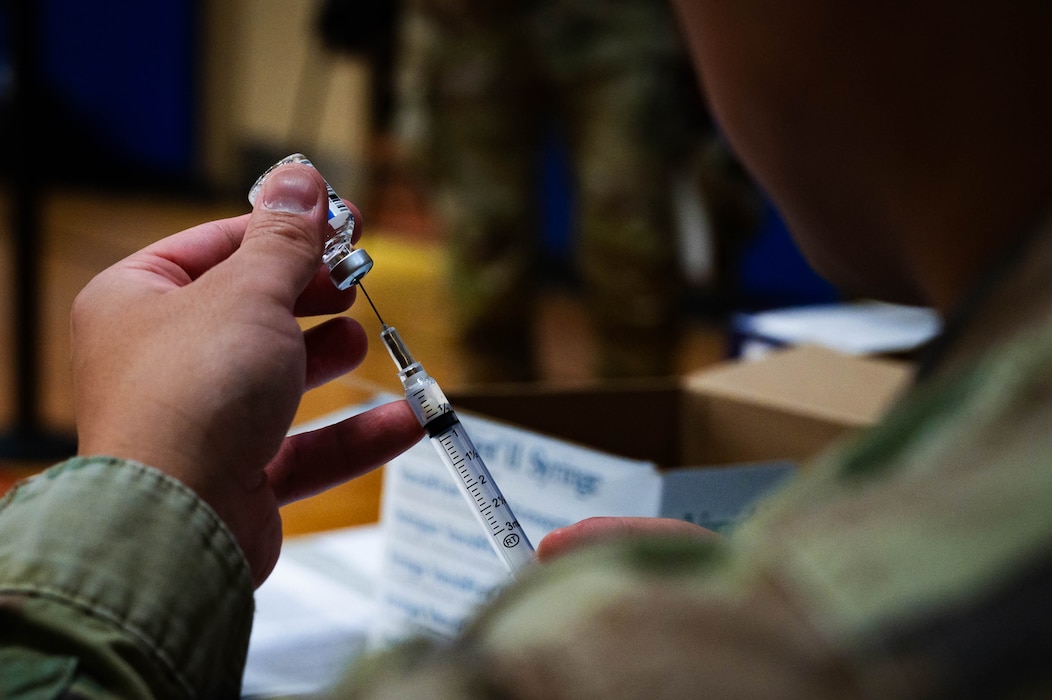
{"points": [[290, 190]]}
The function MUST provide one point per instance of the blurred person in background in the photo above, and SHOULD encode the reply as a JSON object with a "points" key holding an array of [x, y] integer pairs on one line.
{"points": [[482, 88]]}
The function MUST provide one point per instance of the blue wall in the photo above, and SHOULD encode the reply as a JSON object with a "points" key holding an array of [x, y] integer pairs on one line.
{"points": [[119, 86], [773, 272]]}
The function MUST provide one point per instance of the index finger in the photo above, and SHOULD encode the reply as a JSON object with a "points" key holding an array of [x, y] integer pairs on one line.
{"points": [[199, 248], [596, 530], [308, 463]]}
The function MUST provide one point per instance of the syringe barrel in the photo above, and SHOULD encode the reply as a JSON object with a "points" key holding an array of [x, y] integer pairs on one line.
{"points": [[457, 451], [428, 401], [479, 489]]}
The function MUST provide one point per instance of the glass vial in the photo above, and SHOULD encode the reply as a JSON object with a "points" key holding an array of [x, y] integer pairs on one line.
{"points": [[347, 265]]}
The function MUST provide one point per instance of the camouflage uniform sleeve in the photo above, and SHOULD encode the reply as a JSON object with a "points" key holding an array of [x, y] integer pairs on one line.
{"points": [[118, 581], [911, 561], [662, 618]]}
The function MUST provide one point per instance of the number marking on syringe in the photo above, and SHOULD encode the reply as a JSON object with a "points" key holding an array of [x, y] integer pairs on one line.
{"points": [[458, 452], [460, 462], [430, 410]]}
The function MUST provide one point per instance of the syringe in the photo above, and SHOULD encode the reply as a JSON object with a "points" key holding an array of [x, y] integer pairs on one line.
{"points": [[454, 446], [347, 266]]}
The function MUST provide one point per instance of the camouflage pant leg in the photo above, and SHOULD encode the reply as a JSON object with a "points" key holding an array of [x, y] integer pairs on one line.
{"points": [[619, 92], [485, 145], [627, 249]]}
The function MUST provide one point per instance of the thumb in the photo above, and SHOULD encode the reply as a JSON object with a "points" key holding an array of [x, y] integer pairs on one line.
{"points": [[281, 251]]}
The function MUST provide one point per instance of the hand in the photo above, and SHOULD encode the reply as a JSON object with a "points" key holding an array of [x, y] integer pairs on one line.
{"points": [[187, 356], [598, 530]]}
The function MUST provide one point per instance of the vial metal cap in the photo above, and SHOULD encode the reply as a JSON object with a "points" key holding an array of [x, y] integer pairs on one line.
{"points": [[350, 269]]}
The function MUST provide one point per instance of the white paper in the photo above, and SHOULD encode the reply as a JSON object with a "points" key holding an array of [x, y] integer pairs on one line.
{"points": [[854, 329], [314, 613], [438, 564], [428, 566]]}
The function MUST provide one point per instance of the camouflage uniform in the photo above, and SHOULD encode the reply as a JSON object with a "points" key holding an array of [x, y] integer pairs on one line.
{"points": [[913, 561], [481, 84]]}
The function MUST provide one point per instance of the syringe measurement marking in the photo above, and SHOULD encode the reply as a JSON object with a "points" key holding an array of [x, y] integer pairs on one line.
{"points": [[474, 481], [425, 403], [480, 499]]}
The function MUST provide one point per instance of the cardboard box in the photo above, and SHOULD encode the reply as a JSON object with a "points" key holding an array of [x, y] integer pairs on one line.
{"points": [[703, 449], [786, 406]]}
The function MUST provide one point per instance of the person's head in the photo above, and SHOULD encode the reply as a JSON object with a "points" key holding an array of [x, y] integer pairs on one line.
{"points": [[903, 141]]}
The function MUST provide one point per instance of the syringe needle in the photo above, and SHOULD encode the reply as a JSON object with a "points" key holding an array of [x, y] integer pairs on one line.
{"points": [[367, 298], [399, 353]]}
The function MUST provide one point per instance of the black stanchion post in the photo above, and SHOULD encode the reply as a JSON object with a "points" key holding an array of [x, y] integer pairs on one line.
{"points": [[26, 439]]}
